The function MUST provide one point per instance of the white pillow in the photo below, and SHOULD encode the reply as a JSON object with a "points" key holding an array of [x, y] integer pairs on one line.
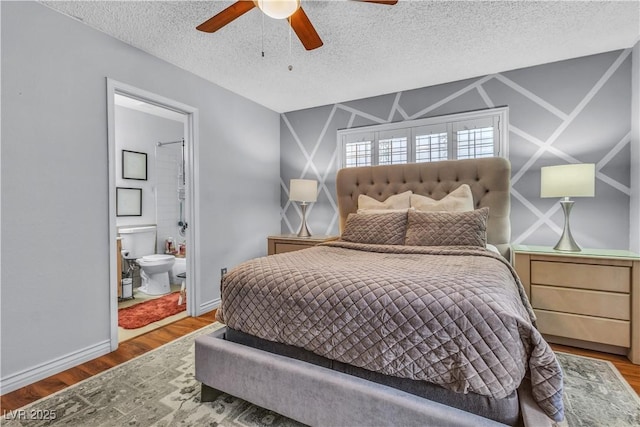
{"points": [[459, 200], [493, 248], [397, 201], [382, 211]]}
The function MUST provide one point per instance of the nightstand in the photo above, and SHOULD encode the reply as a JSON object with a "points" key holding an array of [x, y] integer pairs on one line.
{"points": [[290, 242], [588, 299]]}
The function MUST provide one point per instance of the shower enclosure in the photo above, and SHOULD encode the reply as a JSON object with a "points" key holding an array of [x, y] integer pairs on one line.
{"points": [[170, 202]]}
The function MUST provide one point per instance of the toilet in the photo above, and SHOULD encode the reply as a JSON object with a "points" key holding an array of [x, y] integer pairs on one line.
{"points": [[139, 243]]}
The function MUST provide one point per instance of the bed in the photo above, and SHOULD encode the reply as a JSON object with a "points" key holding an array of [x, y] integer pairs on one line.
{"points": [[407, 319]]}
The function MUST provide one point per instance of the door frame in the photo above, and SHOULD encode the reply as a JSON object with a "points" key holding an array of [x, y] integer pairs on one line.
{"points": [[191, 141]]}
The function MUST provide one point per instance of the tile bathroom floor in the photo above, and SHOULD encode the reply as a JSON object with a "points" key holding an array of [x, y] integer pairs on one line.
{"points": [[127, 334]]}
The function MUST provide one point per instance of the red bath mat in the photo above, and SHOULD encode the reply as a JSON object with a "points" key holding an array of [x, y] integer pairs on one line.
{"points": [[147, 312]]}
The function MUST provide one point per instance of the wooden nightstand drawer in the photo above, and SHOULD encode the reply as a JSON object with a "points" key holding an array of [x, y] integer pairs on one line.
{"points": [[593, 329], [584, 276], [282, 247], [291, 242], [578, 301]]}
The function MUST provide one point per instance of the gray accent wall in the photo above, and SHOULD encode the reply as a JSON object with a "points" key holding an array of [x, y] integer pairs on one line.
{"points": [[573, 111], [55, 286], [634, 220]]}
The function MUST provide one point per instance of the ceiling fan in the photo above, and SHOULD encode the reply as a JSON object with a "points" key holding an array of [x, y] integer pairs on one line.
{"points": [[278, 9]]}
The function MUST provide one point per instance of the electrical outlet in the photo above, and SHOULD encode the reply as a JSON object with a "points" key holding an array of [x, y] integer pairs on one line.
{"points": [[223, 271]]}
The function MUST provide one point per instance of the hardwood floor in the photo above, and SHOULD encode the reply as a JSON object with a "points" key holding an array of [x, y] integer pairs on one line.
{"points": [[127, 350], [144, 343]]}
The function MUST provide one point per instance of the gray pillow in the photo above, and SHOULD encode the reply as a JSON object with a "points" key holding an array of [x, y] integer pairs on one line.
{"points": [[377, 229], [447, 228]]}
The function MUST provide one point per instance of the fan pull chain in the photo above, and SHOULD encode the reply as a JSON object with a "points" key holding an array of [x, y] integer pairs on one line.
{"points": [[262, 46], [290, 67]]}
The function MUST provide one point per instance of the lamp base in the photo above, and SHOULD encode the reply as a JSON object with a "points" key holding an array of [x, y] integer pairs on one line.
{"points": [[566, 242], [304, 230]]}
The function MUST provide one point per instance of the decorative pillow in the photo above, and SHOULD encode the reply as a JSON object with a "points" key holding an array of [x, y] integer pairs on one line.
{"points": [[493, 248], [397, 201], [377, 229], [381, 211], [447, 228], [459, 200]]}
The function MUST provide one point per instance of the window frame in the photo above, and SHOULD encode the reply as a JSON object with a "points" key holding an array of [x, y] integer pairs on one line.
{"points": [[411, 128]]}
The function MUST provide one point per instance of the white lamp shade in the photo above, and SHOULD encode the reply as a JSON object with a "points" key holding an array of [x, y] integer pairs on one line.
{"points": [[278, 9], [303, 190], [568, 180]]}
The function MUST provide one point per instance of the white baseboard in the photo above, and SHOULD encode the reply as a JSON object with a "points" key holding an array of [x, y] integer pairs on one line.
{"points": [[208, 306], [28, 376], [23, 378]]}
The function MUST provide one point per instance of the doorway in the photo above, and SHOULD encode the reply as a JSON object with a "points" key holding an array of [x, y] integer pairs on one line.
{"points": [[168, 128]]}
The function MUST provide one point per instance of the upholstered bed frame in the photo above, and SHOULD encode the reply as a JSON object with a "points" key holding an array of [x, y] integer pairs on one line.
{"points": [[319, 396], [488, 178]]}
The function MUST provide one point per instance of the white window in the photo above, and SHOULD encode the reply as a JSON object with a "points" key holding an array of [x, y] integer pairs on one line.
{"points": [[455, 136], [358, 149], [432, 143], [393, 147]]}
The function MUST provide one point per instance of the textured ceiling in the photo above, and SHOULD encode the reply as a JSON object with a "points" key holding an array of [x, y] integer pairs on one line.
{"points": [[368, 49]]}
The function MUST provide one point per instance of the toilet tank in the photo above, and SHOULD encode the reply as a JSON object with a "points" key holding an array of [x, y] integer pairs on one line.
{"points": [[138, 241]]}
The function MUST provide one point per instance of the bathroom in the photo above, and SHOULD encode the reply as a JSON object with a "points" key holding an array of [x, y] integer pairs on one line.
{"points": [[150, 196]]}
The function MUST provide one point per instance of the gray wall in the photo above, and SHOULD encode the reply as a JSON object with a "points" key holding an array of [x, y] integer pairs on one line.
{"points": [[634, 225], [574, 110], [55, 226]]}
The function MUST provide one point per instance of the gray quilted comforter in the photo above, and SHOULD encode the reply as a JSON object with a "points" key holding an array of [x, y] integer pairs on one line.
{"points": [[453, 316]]}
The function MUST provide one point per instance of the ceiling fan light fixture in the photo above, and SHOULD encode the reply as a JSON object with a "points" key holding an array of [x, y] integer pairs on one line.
{"points": [[279, 9]]}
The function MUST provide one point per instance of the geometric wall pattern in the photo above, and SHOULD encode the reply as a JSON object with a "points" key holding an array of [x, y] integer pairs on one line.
{"points": [[573, 111]]}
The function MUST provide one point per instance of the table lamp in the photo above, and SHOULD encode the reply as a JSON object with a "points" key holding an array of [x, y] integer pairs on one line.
{"points": [[304, 191], [575, 180]]}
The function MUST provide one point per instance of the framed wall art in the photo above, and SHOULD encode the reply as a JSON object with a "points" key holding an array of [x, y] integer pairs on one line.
{"points": [[134, 165], [128, 201]]}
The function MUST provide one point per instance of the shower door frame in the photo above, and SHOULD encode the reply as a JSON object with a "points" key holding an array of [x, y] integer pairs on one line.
{"points": [[191, 143]]}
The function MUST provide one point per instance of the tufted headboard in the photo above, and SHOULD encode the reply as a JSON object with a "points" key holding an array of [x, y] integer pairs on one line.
{"points": [[489, 179]]}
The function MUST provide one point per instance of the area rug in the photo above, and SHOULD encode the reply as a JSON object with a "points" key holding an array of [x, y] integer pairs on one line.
{"points": [[142, 314], [159, 389]]}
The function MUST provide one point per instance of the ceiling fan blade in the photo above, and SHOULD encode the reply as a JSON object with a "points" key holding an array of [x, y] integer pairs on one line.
{"points": [[389, 2], [218, 21], [303, 27]]}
